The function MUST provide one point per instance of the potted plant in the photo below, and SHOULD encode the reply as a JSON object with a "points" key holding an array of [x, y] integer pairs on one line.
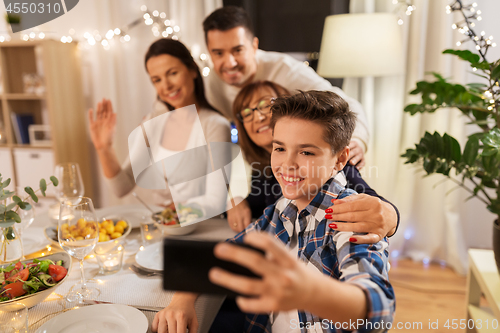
{"points": [[479, 161], [10, 244]]}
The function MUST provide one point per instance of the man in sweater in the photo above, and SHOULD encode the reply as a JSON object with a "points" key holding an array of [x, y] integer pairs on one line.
{"points": [[238, 61]]}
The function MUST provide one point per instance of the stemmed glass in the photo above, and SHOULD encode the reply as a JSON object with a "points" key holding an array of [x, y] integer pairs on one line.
{"points": [[78, 233], [70, 186]]}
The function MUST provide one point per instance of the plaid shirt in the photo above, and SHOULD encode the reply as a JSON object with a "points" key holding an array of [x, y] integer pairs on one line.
{"points": [[365, 265]]}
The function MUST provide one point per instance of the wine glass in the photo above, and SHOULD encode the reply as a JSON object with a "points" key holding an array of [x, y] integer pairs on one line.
{"points": [[70, 186], [78, 233]]}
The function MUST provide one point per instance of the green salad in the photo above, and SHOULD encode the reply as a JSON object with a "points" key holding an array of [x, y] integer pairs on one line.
{"points": [[18, 279]]}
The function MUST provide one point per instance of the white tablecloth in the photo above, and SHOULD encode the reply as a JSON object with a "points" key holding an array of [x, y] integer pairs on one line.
{"points": [[126, 287]]}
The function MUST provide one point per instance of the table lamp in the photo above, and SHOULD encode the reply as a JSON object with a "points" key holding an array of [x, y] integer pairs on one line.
{"points": [[360, 45]]}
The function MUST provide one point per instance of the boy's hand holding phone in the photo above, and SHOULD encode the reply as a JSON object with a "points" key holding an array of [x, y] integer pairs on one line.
{"points": [[286, 283]]}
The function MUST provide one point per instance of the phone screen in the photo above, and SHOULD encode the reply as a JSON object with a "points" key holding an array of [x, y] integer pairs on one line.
{"points": [[187, 262]]}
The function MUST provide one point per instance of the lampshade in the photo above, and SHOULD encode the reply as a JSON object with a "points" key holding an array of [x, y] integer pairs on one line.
{"points": [[356, 45]]}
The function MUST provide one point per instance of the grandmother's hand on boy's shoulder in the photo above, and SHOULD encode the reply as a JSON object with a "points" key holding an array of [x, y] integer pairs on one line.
{"points": [[363, 213], [178, 316], [282, 286], [240, 216], [356, 154]]}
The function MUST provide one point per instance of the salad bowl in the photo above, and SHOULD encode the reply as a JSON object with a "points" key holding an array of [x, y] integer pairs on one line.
{"points": [[38, 297]]}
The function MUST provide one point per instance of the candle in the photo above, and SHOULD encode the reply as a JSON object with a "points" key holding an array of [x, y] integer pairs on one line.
{"points": [[111, 263]]}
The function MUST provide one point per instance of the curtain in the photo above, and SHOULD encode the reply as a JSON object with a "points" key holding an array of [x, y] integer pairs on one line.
{"points": [[436, 224], [119, 73]]}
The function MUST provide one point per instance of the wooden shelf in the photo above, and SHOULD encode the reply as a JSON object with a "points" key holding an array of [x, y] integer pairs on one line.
{"points": [[61, 107], [22, 96]]}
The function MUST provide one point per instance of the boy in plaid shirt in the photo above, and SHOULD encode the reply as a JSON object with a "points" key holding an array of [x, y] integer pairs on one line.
{"points": [[336, 285]]}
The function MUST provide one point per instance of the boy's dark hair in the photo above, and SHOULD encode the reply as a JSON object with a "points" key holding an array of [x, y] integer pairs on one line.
{"points": [[322, 107], [226, 18]]}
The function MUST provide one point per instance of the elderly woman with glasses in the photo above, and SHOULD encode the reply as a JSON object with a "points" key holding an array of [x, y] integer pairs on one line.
{"points": [[366, 212]]}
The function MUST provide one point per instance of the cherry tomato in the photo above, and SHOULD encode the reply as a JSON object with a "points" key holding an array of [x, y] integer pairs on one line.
{"points": [[19, 266], [14, 289], [57, 272], [20, 276]]}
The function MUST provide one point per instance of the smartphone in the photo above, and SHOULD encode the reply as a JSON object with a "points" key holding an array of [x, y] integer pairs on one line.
{"points": [[187, 262]]}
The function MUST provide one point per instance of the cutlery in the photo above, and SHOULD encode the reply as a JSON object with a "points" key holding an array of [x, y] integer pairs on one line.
{"points": [[139, 307], [142, 202], [144, 272]]}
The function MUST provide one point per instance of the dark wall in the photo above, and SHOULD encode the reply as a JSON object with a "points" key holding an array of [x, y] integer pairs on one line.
{"points": [[291, 25]]}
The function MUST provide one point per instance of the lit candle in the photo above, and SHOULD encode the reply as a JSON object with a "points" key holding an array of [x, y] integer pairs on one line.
{"points": [[111, 263]]}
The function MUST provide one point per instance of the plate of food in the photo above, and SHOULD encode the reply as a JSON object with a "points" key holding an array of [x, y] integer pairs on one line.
{"points": [[178, 222], [111, 230], [133, 214], [108, 318], [31, 281]]}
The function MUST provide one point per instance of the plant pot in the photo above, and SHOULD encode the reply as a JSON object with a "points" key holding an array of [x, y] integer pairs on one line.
{"points": [[496, 243]]}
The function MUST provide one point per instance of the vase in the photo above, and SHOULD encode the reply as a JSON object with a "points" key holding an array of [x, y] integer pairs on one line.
{"points": [[11, 247], [496, 243]]}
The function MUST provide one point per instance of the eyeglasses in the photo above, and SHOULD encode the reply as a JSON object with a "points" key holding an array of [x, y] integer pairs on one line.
{"points": [[264, 107]]}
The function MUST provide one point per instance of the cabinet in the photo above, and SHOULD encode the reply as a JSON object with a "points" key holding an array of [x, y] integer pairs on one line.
{"points": [[60, 106]]}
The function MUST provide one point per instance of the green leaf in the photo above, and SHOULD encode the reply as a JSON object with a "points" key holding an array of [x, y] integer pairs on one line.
{"points": [[10, 206], [452, 148], [6, 183], [438, 144], [54, 180], [32, 194], [6, 195], [16, 199], [12, 216], [465, 55], [471, 151], [43, 186], [495, 73]]}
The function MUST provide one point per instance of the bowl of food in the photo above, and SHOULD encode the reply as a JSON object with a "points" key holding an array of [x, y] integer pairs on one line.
{"points": [[177, 223], [112, 230], [31, 281]]}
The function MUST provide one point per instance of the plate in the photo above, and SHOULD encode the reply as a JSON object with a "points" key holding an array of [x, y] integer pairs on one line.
{"points": [[102, 318], [51, 234], [151, 257], [33, 241], [132, 213]]}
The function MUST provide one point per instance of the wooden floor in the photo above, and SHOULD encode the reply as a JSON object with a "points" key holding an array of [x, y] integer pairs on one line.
{"points": [[426, 294]]}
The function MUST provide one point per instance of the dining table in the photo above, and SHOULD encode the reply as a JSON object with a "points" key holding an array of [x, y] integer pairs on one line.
{"points": [[124, 287]]}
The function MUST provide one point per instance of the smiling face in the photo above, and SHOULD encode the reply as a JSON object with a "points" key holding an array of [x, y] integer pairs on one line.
{"points": [[258, 129], [233, 55], [173, 81], [301, 160]]}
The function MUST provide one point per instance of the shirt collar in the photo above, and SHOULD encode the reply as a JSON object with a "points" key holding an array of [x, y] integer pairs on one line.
{"points": [[331, 189]]}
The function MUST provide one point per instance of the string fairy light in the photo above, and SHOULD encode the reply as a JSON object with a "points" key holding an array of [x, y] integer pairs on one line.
{"points": [[465, 26], [158, 21], [482, 44], [403, 6]]}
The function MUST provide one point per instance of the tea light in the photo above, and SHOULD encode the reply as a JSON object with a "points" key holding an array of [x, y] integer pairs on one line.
{"points": [[110, 261]]}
